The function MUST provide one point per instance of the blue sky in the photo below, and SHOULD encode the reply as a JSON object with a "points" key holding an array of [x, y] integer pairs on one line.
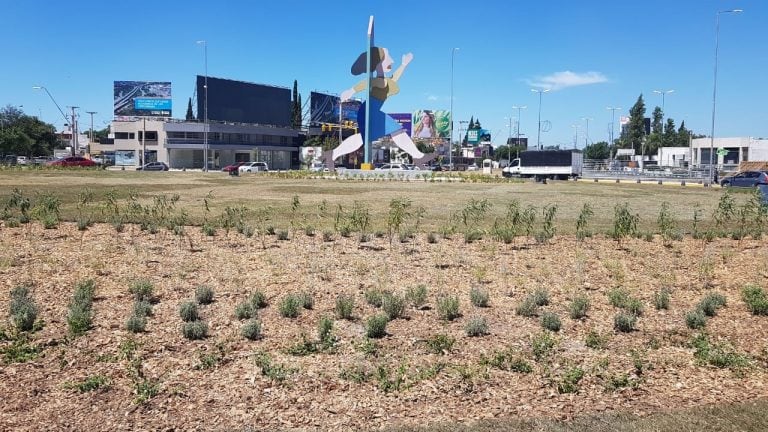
{"points": [[596, 54]]}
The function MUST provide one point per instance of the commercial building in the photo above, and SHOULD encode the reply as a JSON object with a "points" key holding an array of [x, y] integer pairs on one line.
{"points": [[736, 150], [180, 144]]}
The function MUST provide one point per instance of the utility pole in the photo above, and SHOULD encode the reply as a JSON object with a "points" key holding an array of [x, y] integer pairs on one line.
{"points": [[586, 131], [450, 140], [613, 113], [538, 133], [91, 140], [144, 143], [73, 129], [205, 107]]}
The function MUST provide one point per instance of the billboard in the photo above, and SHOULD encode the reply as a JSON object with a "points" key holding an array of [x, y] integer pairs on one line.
{"points": [[244, 102], [431, 124], [324, 108], [142, 99], [405, 121]]}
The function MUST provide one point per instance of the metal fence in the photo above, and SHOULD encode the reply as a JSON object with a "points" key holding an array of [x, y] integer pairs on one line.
{"points": [[622, 170]]}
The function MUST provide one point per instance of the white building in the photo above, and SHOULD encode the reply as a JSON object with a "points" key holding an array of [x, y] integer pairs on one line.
{"points": [[675, 157], [180, 144], [741, 149]]}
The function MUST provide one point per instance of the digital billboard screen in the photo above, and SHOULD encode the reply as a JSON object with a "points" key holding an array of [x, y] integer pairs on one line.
{"points": [[324, 108], [142, 99], [244, 102], [429, 124]]}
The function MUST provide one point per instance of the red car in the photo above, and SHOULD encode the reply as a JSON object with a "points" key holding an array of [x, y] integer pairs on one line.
{"points": [[233, 167], [73, 161]]}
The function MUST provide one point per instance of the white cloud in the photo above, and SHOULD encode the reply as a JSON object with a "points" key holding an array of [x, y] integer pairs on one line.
{"points": [[431, 97], [565, 79]]}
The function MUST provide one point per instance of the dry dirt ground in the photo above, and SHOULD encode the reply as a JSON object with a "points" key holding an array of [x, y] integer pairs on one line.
{"points": [[320, 391]]}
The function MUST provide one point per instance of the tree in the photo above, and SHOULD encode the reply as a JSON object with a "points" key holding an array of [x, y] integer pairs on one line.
{"points": [[670, 135], [296, 106], [21, 134], [598, 150], [656, 119], [425, 147], [635, 134], [190, 115], [683, 136]]}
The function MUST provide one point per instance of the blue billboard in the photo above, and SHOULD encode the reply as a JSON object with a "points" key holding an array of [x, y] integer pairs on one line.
{"points": [[151, 104]]}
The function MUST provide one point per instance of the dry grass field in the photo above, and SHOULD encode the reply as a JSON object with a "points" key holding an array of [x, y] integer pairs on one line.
{"points": [[423, 332]]}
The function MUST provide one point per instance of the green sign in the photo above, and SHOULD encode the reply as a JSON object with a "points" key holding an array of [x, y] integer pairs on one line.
{"points": [[722, 152], [473, 136]]}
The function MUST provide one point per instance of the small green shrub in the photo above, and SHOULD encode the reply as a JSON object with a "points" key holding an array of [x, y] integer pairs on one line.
{"points": [[309, 231], [431, 238], [755, 299], [374, 297], [376, 326], [290, 306], [634, 306], [22, 309], [618, 297], [251, 330], [416, 296], [142, 290], [209, 229], [570, 381], [188, 311], [595, 340], [695, 319], [541, 297], [327, 236], [282, 235], [195, 330], [345, 305], [624, 322], [325, 333], [142, 308], [80, 316], [448, 308], [244, 311], [473, 235], [258, 300], [579, 307], [440, 344], [204, 295], [527, 307], [306, 300], [270, 230], [12, 223], [719, 355], [542, 345], [711, 303], [476, 326], [479, 297], [136, 323], [393, 305], [661, 299], [550, 321]]}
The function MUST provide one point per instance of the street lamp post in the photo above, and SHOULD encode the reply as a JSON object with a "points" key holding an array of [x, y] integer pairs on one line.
{"points": [[450, 142], [663, 93], [66, 120], [91, 140], [714, 90], [613, 112], [519, 109], [205, 106], [586, 131], [538, 133]]}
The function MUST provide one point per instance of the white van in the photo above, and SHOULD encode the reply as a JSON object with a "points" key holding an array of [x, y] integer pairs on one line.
{"points": [[252, 167], [21, 160]]}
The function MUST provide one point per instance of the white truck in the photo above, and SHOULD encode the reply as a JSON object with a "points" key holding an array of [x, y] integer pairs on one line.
{"points": [[546, 164]]}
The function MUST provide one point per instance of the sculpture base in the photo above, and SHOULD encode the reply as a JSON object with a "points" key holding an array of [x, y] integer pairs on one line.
{"points": [[366, 167]]}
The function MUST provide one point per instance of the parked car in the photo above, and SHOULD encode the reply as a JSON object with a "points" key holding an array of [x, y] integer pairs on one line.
{"points": [[318, 167], [392, 167], [234, 167], [252, 167], [72, 161], [22, 160], [153, 166], [413, 167], [8, 160], [763, 188], [745, 179]]}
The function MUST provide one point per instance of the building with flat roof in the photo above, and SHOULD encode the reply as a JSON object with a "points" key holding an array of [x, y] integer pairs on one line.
{"points": [[180, 144], [737, 150]]}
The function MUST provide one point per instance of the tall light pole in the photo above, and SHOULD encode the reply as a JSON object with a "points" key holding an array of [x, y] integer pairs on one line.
{"points": [[613, 113], [575, 135], [663, 94], [205, 106], [450, 143], [519, 108], [91, 140], [509, 136], [66, 120], [714, 90], [538, 133], [586, 130]]}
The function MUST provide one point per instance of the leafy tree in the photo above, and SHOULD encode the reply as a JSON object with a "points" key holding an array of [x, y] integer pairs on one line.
{"points": [[21, 134], [635, 134], [653, 142], [670, 135], [425, 147], [190, 115], [683, 136], [598, 150], [296, 106], [656, 119]]}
